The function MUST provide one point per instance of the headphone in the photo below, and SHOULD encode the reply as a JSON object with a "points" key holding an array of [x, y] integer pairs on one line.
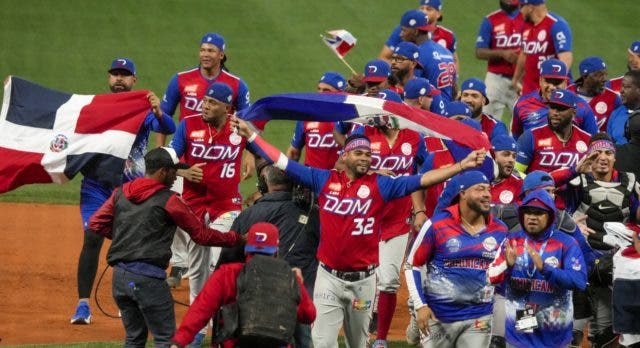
{"points": [[627, 128]]}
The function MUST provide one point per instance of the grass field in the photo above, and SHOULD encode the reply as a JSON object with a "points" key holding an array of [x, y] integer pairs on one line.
{"points": [[273, 45]]}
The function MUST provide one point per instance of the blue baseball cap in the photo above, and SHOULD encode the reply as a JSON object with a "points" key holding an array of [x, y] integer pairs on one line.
{"points": [[592, 64], [220, 92], [334, 80], [457, 108], [469, 178], [553, 69], [563, 97], [531, 2], [419, 87], [416, 19], [123, 64], [635, 48], [475, 84], [376, 70], [504, 142], [388, 94], [537, 179], [214, 39], [437, 4], [408, 50]]}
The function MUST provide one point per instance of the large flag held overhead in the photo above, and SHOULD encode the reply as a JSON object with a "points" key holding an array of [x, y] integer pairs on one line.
{"points": [[332, 107], [340, 41], [49, 136]]}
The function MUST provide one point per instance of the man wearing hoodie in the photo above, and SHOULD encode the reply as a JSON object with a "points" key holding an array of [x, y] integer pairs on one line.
{"points": [[141, 218], [540, 266]]}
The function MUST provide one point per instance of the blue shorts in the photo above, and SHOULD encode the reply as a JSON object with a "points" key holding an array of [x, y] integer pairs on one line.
{"points": [[93, 194]]}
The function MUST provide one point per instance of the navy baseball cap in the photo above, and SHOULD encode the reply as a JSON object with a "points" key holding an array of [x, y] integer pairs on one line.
{"points": [[214, 39], [416, 19], [592, 64], [476, 84], [553, 69], [563, 97], [469, 178], [220, 92], [334, 80], [504, 142], [388, 94], [419, 87], [536, 180], [376, 70], [531, 2], [262, 238], [457, 108], [635, 48], [408, 50], [123, 64]]}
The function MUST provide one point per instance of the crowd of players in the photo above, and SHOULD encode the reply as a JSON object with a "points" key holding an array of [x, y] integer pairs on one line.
{"points": [[534, 216]]}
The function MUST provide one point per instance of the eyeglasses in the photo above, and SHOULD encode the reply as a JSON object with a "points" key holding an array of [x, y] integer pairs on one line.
{"points": [[398, 59]]}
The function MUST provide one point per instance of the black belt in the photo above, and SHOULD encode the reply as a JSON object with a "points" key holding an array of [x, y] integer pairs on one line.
{"points": [[350, 276]]}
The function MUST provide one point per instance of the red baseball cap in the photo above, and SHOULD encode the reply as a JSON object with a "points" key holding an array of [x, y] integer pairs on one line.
{"points": [[262, 238]]}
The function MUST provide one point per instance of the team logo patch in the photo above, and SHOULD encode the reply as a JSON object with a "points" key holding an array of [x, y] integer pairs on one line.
{"points": [[506, 196], [601, 107], [544, 142], [575, 264], [191, 89], [199, 134], [542, 35], [364, 191], [406, 149], [312, 125], [59, 143], [453, 245], [235, 139], [360, 304], [375, 146], [552, 261], [581, 146], [490, 244], [335, 186]]}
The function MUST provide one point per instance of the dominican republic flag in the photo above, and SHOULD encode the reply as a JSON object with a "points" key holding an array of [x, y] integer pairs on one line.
{"points": [[339, 41], [49, 136], [333, 107]]}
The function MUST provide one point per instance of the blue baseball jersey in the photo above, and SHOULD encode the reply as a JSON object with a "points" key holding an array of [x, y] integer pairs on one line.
{"points": [[456, 281], [438, 67], [617, 123]]}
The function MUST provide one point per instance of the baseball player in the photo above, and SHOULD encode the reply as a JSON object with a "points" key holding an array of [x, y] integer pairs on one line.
{"points": [[590, 86], [558, 144], [531, 109], [506, 187], [436, 61], [317, 137], [439, 34], [398, 153], [207, 143], [545, 35], [457, 245], [499, 40], [351, 205], [633, 63], [473, 92], [122, 78]]}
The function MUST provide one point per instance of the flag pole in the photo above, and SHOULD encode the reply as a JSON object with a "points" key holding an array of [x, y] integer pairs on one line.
{"points": [[340, 57]]}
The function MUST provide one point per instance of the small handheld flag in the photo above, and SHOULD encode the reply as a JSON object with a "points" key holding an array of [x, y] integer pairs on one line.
{"points": [[340, 42]]}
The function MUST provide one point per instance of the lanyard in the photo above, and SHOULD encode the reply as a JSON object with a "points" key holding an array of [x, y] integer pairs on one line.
{"points": [[526, 254]]}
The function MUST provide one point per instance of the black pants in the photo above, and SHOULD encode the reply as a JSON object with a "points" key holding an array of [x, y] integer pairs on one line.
{"points": [[146, 305]]}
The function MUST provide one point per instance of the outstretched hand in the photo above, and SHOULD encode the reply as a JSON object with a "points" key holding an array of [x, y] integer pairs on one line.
{"points": [[474, 159], [243, 128], [194, 173]]}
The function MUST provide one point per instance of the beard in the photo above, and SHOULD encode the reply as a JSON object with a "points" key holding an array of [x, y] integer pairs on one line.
{"points": [[477, 207], [399, 75], [119, 87], [561, 126]]}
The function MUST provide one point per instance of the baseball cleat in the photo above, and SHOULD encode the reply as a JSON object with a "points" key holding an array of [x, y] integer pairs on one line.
{"points": [[83, 314]]}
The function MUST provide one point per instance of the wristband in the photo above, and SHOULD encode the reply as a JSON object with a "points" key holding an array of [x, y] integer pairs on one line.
{"points": [[252, 137]]}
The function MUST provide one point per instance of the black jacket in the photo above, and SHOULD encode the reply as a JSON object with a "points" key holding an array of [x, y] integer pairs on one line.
{"points": [[298, 241], [627, 156]]}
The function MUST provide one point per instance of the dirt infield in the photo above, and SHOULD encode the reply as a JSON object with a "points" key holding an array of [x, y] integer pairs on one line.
{"points": [[39, 249]]}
